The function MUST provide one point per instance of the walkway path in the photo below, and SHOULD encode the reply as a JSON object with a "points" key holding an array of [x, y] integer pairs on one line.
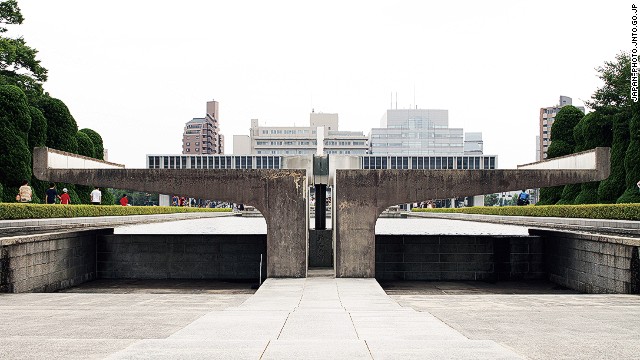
{"points": [[317, 318]]}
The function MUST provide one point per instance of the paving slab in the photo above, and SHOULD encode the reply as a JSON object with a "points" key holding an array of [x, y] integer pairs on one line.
{"points": [[317, 350], [193, 349]]}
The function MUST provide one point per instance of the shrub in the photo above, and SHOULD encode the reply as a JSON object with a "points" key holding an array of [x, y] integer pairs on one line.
{"points": [[592, 211], [15, 211]]}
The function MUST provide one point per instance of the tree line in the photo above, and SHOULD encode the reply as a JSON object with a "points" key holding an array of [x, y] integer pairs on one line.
{"points": [[30, 117], [614, 122]]}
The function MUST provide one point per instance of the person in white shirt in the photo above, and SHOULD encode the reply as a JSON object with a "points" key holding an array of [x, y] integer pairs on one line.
{"points": [[96, 196]]}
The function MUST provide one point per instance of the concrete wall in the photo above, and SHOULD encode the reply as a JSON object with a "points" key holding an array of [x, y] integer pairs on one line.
{"points": [[48, 262], [450, 257], [224, 257], [592, 263]]}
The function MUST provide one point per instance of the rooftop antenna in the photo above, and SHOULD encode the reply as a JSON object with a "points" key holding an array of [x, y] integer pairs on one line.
{"points": [[391, 103], [414, 95], [396, 100]]}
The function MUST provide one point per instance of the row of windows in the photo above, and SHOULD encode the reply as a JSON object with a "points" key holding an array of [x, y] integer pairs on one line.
{"points": [[289, 131], [429, 162], [418, 135], [214, 162], [290, 143], [343, 143]]}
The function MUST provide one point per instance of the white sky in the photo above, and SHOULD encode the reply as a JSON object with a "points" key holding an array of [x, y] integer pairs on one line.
{"points": [[136, 71]]}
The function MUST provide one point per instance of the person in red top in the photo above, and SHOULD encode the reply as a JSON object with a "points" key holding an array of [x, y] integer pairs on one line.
{"points": [[65, 199], [124, 201]]}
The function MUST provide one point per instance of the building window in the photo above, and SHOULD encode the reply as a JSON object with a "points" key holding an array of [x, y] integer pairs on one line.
{"points": [[188, 150]]}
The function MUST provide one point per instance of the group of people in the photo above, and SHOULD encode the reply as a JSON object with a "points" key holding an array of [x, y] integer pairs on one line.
{"points": [[25, 194]]}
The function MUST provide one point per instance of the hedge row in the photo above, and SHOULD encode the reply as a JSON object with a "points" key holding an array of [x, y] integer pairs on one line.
{"points": [[9, 211], [593, 211]]}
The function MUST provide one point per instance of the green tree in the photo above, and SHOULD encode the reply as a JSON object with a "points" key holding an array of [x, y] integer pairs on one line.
{"points": [[61, 126], [38, 130], [97, 143], [562, 143], [85, 145], [614, 98], [490, 199], [594, 130], [611, 188], [632, 162], [18, 63], [15, 122]]}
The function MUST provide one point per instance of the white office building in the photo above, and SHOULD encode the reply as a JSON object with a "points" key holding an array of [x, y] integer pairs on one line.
{"points": [[296, 140]]}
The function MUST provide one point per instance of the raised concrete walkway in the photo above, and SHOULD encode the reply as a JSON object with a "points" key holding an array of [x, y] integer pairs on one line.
{"points": [[317, 318], [619, 227], [8, 227]]}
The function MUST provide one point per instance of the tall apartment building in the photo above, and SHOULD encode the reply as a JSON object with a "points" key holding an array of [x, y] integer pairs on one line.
{"points": [[547, 117], [202, 135], [297, 140], [421, 132]]}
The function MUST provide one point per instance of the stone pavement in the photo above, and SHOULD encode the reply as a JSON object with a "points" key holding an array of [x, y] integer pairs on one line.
{"points": [[312, 318], [317, 318]]}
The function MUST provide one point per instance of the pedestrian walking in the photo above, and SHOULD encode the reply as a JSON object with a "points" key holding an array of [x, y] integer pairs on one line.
{"points": [[65, 199], [51, 194]]}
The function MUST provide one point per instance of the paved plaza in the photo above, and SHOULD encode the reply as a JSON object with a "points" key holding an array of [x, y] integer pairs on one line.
{"points": [[318, 318]]}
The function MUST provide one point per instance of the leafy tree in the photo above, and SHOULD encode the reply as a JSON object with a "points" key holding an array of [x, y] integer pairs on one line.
{"points": [[18, 63], [85, 145], [632, 161], [610, 189], [15, 122], [61, 126], [490, 199], [614, 98], [97, 143], [38, 130], [563, 143], [594, 130]]}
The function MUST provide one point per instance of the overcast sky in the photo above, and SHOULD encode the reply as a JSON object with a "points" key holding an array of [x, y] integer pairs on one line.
{"points": [[136, 71]]}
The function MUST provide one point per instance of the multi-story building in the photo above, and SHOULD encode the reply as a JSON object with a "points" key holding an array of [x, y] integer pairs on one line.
{"points": [[547, 117], [421, 132], [202, 135], [295, 140]]}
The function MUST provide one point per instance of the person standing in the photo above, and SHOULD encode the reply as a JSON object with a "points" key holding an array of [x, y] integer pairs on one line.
{"points": [[124, 201], [65, 199], [51, 194], [25, 192], [96, 196]]}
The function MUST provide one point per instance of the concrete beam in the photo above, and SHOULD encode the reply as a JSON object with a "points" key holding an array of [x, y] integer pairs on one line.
{"points": [[361, 195], [278, 194]]}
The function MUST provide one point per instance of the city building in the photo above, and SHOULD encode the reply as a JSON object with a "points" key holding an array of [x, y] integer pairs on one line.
{"points": [[547, 117], [422, 132], [322, 136], [202, 135]]}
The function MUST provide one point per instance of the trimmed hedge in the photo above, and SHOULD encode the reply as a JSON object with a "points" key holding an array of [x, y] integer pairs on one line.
{"points": [[14, 211], [595, 211]]}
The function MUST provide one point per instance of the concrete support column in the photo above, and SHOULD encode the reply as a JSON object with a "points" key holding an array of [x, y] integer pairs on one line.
{"points": [[355, 239]]}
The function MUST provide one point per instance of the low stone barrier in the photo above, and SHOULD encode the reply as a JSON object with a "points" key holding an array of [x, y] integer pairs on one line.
{"points": [[592, 263], [223, 257], [459, 257], [48, 262]]}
